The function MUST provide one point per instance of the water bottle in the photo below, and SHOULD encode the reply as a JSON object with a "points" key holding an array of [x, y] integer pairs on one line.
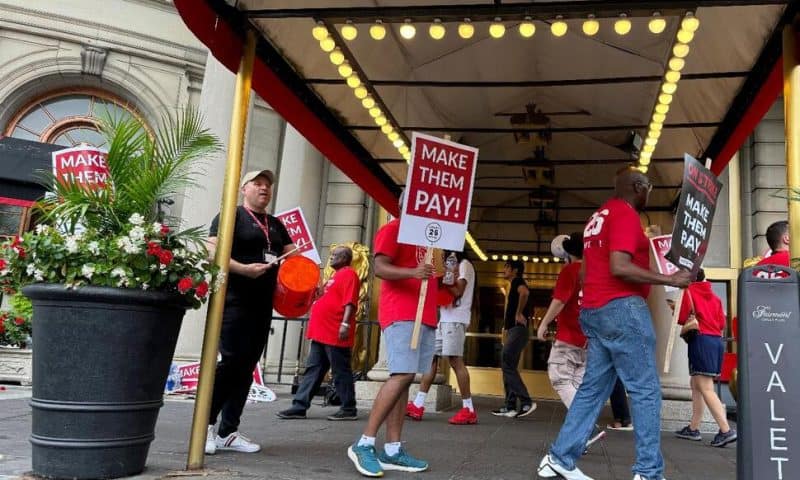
{"points": [[450, 266]]}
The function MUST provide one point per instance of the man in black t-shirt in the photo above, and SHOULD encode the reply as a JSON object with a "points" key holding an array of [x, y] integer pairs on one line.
{"points": [[258, 240], [516, 328]]}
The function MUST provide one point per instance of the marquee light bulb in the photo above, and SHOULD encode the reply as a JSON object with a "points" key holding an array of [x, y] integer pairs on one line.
{"points": [[336, 56], [623, 25], [659, 117], [654, 134], [524, 258], [656, 126], [377, 31], [387, 128], [408, 30], [651, 141], [676, 64], [690, 23], [680, 50], [504, 257], [403, 150], [644, 161], [361, 92], [661, 108], [672, 76], [648, 148], [497, 29], [646, 155], [345, 70], [375, 112], [349, 31], [398, 143], [466, 30], [559, 27], [591, 26], [665, 98], [527, 28], [685, 36], [545, 260], [437, 30], [642, 168], [319, 32], [380, 120], [327, 44], [368, 102], [353, 81], [393, 136], [669, 88], [657, 24]]}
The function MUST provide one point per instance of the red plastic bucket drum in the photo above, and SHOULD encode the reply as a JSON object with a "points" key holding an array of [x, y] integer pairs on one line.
{"points": [[297, 281]]}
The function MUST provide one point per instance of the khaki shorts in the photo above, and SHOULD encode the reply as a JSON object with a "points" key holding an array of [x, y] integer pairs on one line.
{"points": [[450, 338], [566, 365]]}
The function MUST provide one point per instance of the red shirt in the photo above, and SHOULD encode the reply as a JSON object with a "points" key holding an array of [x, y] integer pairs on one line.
{"points": [[399, 298], [615, 227], [707, 308], [568, 291], [777, 258], [328, 311]]}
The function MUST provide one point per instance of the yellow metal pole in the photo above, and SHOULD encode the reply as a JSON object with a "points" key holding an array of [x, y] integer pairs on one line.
{"points": [[791, 110], [230, 193]]}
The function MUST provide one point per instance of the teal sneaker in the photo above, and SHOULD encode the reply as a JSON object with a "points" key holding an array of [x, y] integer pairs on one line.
{"points": [[402, 461], [365, 460]]}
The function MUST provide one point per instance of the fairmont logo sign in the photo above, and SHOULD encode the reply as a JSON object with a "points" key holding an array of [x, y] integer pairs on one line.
{"points": [[765, 314]]}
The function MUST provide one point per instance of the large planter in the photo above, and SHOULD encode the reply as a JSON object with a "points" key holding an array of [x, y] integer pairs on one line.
{"points": [[15, 365], [99, 367]]}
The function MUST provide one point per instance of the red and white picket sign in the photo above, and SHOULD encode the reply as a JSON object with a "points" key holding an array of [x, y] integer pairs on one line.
{"points": [[295, 223], [84, 165], [438, 193]]}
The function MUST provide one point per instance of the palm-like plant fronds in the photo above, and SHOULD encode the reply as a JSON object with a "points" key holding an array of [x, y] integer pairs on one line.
{"points": [[144, 168]]}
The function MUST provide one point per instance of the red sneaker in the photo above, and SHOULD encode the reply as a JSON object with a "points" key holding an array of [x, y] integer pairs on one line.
{"points": [[465, 416], [414, 412]]}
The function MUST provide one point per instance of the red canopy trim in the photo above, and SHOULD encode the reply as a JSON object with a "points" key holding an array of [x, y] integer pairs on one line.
{"points": [[15, 202], [226, 45]]}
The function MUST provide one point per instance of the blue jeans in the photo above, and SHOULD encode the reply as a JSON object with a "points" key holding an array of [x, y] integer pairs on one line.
{"points": [[621, 343]]}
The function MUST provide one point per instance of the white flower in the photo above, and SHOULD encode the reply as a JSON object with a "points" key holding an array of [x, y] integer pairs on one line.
{"points": [[30, 269], [71, 244], [137, 234], [87, 270], [119, 272], [207, 277], [157, 227], [145, 286], [38, 275], [94, 248], [42, 229], [136, 219], [127, 245]]}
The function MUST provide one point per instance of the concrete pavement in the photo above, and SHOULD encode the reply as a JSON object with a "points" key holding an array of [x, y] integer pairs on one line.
{"points": [[496, 448]]}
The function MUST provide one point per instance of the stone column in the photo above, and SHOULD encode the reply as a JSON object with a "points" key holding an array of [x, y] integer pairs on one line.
{"points": [[200, 204]]}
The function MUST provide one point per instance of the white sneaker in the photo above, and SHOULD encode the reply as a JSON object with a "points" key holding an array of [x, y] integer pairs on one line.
{"points": [[211, 444], [237, 443], [550, 469]]}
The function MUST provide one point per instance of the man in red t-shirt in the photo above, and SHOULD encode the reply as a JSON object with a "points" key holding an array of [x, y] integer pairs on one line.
{"points": [[617, 322], [331, 329], [402, 270], [778, 241]]}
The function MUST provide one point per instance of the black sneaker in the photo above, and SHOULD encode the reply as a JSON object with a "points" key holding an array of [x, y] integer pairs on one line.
{"points": [[526, 410], [687, 433], [292, 414], [722, 439], [504, 412], [343, 415]]}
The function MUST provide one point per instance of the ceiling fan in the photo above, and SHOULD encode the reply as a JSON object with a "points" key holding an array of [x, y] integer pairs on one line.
{"points": [[535, 119]]}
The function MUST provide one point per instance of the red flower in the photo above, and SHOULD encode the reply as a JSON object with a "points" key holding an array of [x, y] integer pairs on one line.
{"points": [[201, 290], [153, 248], [164, 229], [20, 252], [2, 327], [19, 320], [3, 264], [165, 257], [184, 284]]}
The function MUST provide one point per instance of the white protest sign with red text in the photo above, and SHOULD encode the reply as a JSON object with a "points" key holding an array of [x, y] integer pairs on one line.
{"points": [[84, 165], [296, 224], [660, 246], [438, 193]]}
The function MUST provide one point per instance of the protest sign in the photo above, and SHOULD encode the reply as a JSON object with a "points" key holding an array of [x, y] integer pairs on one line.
{"points": [[188, 375], [438, 193], [296, 224], [84, 165], [660, 246], [695, 214]]}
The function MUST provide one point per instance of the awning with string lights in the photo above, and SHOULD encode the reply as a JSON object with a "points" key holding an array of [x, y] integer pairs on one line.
{"points": [[556, 95]]}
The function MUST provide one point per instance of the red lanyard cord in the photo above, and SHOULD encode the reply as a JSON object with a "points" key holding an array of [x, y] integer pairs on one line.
{"points": [[263, 226]]}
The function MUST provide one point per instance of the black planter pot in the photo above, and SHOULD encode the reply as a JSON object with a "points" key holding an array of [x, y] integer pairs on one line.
{"points": [[100, 362]]}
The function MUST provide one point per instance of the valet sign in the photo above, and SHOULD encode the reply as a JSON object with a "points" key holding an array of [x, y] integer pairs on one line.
{"points": [[84, 165], [438, 193]]}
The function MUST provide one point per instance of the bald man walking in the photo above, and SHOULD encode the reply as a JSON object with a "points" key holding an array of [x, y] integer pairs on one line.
{"points": [[618, 326]]}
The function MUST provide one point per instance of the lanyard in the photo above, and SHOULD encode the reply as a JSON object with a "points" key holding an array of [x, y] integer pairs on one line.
{"points": [[262, 226]]}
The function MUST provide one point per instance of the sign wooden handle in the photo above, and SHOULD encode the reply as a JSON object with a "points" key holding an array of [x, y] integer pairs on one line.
{"points": [[672, 324], [423, 292]]}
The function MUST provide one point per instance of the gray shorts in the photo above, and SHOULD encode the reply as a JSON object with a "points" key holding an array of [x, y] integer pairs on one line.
{"points": [[401, 359], [450, 338]]}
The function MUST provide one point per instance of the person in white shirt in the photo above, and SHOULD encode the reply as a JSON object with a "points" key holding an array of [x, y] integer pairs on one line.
{"points": [[451, 333]]}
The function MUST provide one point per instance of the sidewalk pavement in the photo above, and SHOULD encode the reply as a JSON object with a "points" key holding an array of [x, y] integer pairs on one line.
{"points": [[495, 448]]}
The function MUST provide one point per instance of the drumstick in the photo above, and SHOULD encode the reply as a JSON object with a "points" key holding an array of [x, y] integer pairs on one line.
{"points": [[283, 256]]}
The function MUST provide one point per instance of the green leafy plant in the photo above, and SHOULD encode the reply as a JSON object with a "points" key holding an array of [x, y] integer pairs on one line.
{"points": [[116, 235], [15, 324]]}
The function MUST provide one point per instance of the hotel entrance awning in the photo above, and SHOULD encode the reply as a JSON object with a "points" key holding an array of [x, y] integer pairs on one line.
{"points": [[532, 105]]}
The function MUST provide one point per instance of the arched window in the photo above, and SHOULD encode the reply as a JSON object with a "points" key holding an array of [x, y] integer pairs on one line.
{"points": [[67, 118]]}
